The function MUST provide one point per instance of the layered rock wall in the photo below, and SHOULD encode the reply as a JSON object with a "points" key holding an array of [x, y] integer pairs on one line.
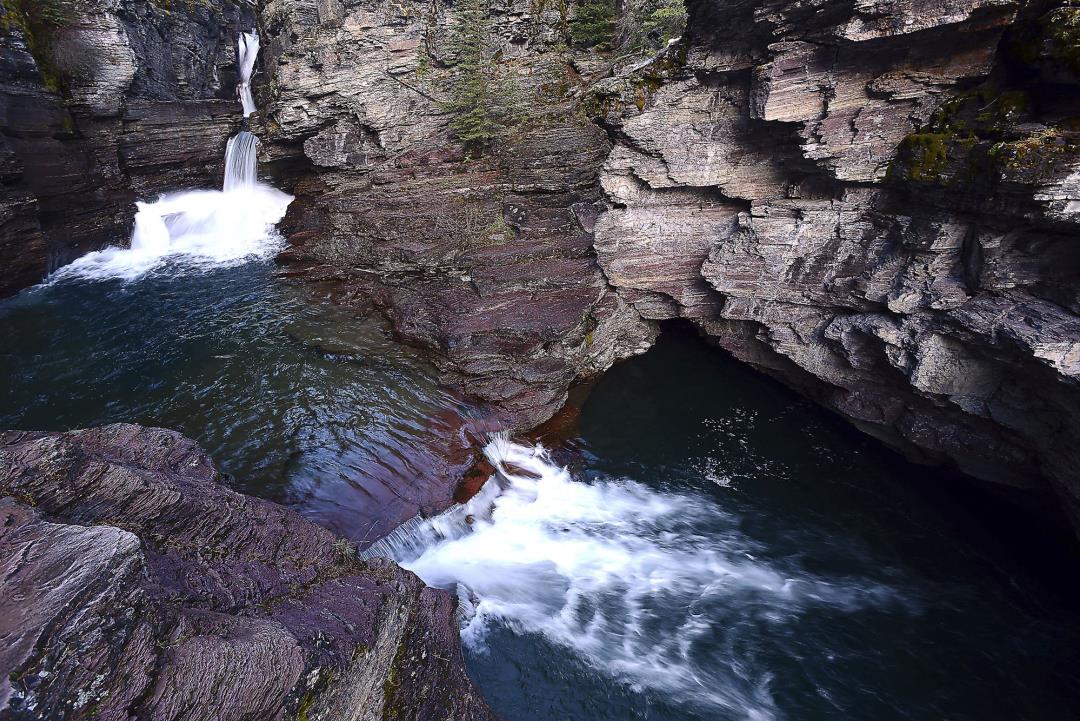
{"points": [[877, 205], [486, 260], [875, 202]]}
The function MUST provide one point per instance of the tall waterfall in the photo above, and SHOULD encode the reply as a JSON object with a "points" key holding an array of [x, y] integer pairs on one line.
{"points": [[247, 49], [204, 227], [240, 154]]}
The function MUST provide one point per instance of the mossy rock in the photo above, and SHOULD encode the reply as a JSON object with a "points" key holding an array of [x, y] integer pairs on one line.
{"points": [[949, 148], [1051, 44], [1039, 158], [38, 21]]}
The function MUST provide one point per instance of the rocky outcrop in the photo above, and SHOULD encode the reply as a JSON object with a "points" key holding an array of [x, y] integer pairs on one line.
{"points": [[878, 205], [137, 586], [486, 261], [103, 102]]}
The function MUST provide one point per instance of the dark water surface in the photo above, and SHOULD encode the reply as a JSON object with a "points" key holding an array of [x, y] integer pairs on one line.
{"points": [[299, 400], [775, 564], [911, 598]]}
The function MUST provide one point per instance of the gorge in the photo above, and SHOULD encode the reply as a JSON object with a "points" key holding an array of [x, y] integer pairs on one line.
{"points": [[540, 332]]}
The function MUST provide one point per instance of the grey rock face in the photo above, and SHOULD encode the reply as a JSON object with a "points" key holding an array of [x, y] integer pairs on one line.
{"points": [[135, 585], [933, 307]]}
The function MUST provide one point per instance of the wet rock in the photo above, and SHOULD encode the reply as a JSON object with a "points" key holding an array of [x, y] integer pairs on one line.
{"points": [[137, 585]]}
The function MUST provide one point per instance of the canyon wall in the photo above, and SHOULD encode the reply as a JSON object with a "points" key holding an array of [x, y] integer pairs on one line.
{"points": [[103, 102], [876, 203], [484, 259]]}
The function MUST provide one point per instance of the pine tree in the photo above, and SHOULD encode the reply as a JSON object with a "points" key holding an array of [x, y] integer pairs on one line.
{"points": [[594, 23], [472, 90]]}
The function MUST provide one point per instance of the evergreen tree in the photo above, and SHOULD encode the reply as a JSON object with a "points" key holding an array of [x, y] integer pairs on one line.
{"points": [[664, 20], [472, 89], [594, 23], [650, 24]]}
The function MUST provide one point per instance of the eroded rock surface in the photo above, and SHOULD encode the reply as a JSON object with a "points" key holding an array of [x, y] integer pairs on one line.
{"points": [[137, 586], [886, 219], [486, 261]]}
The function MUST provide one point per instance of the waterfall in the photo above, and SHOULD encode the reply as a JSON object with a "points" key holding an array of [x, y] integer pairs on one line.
{"points": [[240, 154], [240, 162], [247, 50], [204, 228]]}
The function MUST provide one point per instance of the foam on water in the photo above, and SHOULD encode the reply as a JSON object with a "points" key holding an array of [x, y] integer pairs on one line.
{"points": [[642, 585], [201, 227]]}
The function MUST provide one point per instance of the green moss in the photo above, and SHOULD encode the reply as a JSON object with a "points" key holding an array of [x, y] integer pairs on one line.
{"points": [[924, 156], [390, 709], [305, 705], [946, 149], [1062, 28], [1038, 158], [38, 21]]}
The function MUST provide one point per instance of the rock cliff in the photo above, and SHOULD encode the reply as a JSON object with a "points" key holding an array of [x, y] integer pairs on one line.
{"points": [[875, 202], [137, 586], [487, 261], [878, 205], [103, 102]]}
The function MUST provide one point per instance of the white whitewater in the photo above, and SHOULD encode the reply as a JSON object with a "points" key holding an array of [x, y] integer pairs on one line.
{"points": [[659, 590], [241, 162], [201, 228]]}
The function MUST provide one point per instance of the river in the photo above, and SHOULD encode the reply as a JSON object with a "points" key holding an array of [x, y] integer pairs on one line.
{"points": [[704, 545]]}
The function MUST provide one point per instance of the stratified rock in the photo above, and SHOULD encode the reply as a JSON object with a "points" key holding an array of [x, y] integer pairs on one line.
{"points": [[136, 586], [486, 261], [876, 202], [906, 251]]}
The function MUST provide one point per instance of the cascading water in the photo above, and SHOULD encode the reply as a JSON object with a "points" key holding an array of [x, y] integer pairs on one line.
{"points": [[241, 162], [639, 584], [247, 50], [202, 227]]}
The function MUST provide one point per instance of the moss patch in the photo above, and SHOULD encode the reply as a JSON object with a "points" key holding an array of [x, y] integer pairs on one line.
{"points": [[38, 21], [954, 148], [1052, 42]]}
